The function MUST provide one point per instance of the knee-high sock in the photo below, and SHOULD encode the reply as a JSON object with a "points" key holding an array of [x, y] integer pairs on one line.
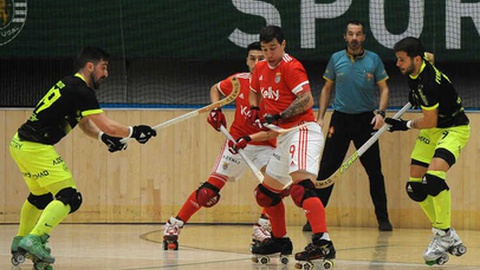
{"points": [[442, 203], [429, 209], [315, 213], [427, 205], [191, 206], [443, 209], [52, 215], [276, 214], [28, 218]]}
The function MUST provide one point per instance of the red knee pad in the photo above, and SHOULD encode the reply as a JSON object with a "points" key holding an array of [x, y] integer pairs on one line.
{"points": [[301, 191], [266, 197], [297, 193], [207, 195]]}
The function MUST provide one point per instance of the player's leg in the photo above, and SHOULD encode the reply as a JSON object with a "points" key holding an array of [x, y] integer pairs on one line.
{"points": [[260, 154], [270, 195], [66, 200], [303, 166], [372, 164], [40, 166], [227, 165]]}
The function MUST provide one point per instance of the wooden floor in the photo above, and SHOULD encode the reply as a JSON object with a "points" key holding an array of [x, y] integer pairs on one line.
{"points": [[138, 247]]}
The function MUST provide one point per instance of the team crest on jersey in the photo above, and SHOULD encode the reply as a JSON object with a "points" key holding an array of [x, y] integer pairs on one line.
{"points": [[277, 77], [13, 14], [225, 165], [369, 76]]}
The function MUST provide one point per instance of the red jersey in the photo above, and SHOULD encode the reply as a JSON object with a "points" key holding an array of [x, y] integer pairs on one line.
{"points": [[241, 125], [280, 86]]}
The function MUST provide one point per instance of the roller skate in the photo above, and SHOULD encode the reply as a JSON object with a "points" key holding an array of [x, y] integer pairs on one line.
{"points": [[264, 251], [261, 231], [18, 256], [442, 244], [171, 232], [34, 247], [320, 250]]}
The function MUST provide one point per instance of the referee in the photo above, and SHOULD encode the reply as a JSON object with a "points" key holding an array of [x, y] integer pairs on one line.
{"points": [[356, 75]]}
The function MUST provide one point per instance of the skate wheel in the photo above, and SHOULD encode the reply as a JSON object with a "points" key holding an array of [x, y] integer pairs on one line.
{"points": [[284, 259], [264, 260], [39, 266], [298, 266], [172, 246], [255, 259], [443, 259], [308, 266], [327, 264], [459, 251], [18, 259]]}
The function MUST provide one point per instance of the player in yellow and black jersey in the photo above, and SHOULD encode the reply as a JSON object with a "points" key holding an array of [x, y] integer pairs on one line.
{"points": [[444, 132], [53, 192]]}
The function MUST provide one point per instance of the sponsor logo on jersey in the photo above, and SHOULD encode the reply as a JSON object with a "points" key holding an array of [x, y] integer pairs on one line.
{"points": [[13, 14], [270, 93]]}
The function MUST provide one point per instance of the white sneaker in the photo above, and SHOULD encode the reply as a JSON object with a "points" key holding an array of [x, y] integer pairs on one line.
{"points": [[172, 229], [262, 230]]}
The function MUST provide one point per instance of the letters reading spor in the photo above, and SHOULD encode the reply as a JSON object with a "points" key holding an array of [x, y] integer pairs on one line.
{"points": [[312, 13]]}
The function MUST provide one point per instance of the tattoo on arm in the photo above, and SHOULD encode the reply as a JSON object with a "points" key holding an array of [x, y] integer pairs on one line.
{"points": [[297, 106]]}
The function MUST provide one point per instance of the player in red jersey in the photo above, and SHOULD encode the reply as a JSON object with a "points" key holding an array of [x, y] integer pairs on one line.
{"points": [[281, 83], [228, 165]]}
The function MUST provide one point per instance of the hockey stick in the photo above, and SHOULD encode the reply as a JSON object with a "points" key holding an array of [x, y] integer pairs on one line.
{"points": [[282, 130], [329, 181], [250, 164], [228, 99]]}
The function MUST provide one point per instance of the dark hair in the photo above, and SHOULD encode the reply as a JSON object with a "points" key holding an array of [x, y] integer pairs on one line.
{"points": [[90, 54], [271, 32], [254, 46], [412, 46], [354, 22]]}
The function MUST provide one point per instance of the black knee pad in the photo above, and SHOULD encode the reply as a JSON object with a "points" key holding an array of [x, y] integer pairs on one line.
{"points": [[40, 201], [445, 155], [70, 196], [266, 197], [208, 195], [302, 191], [434, 184], [415, 191]]}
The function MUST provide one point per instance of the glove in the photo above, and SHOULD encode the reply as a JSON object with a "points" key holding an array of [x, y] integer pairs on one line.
{"points": [[216, 118], [142, 133], [397, 124], [114, 144], [254, 115], [272, 118], [240, 143]]}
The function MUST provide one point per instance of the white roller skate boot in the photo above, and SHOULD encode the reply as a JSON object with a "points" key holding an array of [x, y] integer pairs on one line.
{"points": [[171, 232], [458, 248], [442, 243], [261, 231]]}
